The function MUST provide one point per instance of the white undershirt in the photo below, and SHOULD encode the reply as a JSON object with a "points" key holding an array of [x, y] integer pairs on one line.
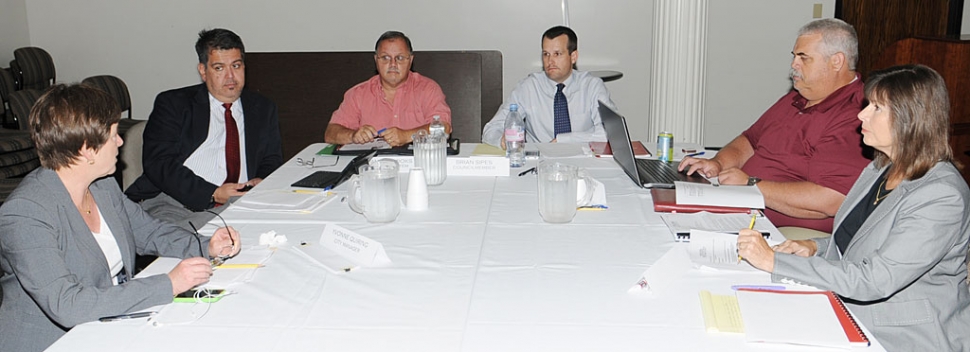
{"points": [[209, 160], [106, 240]]}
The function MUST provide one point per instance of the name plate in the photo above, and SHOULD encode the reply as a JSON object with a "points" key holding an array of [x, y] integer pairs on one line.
{"points": [[460, 166], [341, 250]]}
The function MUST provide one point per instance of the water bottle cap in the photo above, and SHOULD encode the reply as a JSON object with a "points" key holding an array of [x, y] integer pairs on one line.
{"points": [[513, 107], [436, 117]]}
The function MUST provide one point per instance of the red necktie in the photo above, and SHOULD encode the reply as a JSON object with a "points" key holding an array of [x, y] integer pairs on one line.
{"points": [[232, 147]]}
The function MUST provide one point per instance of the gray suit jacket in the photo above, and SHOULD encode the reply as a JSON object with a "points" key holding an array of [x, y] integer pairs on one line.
{"points": [[904, 273], [55, 274]]}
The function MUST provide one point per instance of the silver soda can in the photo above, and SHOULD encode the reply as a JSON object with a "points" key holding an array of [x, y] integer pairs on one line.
{"points": [[665, 146]]}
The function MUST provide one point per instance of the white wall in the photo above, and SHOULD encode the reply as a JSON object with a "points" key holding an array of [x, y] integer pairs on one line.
{"points": [[749, 57], [965, 24], [13, 26], [150, 44]]}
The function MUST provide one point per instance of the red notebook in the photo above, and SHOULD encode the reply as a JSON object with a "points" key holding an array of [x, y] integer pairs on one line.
{"points": [[603, 149], [851, 328], [665, 201]]}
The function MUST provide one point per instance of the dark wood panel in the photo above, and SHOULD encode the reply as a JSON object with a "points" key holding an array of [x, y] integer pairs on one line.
{"points": [[951, 58], [880, 23]]}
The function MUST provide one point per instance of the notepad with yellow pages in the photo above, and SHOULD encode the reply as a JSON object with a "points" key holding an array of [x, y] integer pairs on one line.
{"points": [[721, 313]]}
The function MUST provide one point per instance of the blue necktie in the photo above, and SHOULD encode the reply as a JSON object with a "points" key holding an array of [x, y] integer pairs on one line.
{"points": [[561, 111]]}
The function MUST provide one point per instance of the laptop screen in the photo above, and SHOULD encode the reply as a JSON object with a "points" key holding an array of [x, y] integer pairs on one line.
{"points": [[619, 137]]}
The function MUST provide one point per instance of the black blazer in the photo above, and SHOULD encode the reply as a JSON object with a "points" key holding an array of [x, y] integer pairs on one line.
{"points": [[178, 125]]}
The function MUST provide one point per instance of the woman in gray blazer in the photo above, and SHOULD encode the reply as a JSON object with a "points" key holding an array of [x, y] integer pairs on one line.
{"points": [[898, 254], [68, 236]]}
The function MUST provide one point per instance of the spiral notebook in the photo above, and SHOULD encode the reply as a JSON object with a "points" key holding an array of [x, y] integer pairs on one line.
{"points": [[815, 318]]}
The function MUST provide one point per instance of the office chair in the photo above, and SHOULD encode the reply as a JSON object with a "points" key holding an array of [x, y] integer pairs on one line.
{"points": [[130, 158], [7, 86], [118, 90], [20, 103], [36, 68]]}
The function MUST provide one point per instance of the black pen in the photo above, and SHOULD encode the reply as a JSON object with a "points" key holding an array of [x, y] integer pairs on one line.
{"points": [[523, 173], [127, 316]]}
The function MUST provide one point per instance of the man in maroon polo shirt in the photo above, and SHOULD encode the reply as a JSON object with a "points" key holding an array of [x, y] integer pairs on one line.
{"points": [[805, 152]]}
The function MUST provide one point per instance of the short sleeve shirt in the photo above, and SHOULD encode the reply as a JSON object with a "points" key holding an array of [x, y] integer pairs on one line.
{"points": [[416, 101], [820, 144]]}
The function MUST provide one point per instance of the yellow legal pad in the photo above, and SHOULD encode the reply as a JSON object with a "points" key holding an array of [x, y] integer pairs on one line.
{"points": [[488, 150], [721, 313]]}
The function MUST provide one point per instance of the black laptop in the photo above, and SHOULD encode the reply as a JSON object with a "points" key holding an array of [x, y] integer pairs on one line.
{"points": [[647, 173], [330, 179]]}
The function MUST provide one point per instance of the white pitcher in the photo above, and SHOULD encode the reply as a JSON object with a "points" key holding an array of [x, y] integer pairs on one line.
{"points": [[376, 191], [559, 191], [430, 154]]}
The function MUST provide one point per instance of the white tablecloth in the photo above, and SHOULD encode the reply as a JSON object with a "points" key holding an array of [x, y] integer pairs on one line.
{"points": [[478, 271]]}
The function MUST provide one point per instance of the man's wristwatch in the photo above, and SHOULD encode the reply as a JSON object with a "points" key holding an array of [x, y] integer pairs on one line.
{"points": [[753, 180]]}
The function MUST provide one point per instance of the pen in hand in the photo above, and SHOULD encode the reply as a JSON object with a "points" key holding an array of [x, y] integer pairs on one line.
{"points": [[380, 131], [750, 227]]}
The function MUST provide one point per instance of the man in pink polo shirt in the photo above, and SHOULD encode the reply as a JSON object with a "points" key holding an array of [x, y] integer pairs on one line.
{"points": [[393, 104]]}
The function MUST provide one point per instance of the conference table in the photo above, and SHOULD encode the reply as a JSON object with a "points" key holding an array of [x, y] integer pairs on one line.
{"points": [[478, 271]]}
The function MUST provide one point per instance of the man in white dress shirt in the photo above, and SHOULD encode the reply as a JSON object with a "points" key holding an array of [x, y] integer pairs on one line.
{"points": [[560, 103]]}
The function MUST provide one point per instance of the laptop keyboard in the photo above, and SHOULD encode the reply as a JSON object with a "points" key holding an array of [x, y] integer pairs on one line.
{"points": [[658, 172]]}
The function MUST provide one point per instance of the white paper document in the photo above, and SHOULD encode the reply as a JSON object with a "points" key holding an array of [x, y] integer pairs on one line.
{"points": [[722, 196], [240, 268], [564, 150], [664, 273], [716, 250], [284, 201], [680, 224]]}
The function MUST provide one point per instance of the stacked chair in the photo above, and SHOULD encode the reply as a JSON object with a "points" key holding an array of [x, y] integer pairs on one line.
{"points": [[17, 157], [118, 90], [36, 68], [30, 73]]}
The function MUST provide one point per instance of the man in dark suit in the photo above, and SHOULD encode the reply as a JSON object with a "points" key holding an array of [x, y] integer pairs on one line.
{"points": [[207, 143]]}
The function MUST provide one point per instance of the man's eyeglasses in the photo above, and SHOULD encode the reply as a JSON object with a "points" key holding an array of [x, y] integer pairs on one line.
{"points": [[217, 260], [311, 163], [387, 58]]}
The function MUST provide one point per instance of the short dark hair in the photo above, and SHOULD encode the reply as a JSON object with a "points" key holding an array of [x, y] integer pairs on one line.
{"points": [[68, 117], [393, 35], [920, 116], [217, 39], [555, 32]]}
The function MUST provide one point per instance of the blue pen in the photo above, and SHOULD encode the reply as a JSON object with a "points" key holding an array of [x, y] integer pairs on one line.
{"points": [[759, 287], [381, 131], [695, 154]]}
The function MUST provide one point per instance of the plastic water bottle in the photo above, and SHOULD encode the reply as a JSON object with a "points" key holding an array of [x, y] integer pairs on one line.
{"points": [[515, 137], [437, 128]]}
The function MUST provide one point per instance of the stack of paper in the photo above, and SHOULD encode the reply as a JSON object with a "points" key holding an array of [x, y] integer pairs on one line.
{"points": [[284, 201], [681, 224], [722, 196]]}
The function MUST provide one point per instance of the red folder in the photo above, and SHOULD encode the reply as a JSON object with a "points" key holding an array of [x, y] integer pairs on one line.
{"points": [[665, 201], [852, 330], [603, 149]]}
